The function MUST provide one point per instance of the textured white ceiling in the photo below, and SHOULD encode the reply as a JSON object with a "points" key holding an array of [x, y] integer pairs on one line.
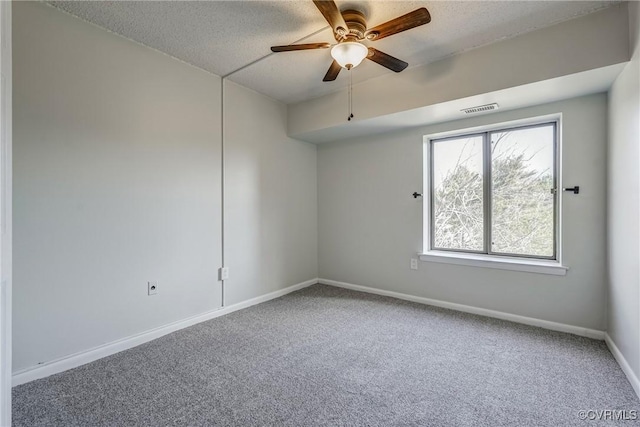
{"points": [[224, 36]]}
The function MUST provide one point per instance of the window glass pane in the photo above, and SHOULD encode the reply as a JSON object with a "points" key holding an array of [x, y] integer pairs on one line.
{"points": [[522, 203], [457, 194]]}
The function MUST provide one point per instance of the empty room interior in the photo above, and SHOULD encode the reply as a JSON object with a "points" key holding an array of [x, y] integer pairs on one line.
{"points": [[301, 213]]}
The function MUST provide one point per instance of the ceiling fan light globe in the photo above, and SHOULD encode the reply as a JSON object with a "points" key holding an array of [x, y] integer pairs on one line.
{"points": [[349, 54]]}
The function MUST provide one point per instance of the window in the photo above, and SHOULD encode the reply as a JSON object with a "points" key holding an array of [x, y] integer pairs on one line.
{"points": [[494, 192]]}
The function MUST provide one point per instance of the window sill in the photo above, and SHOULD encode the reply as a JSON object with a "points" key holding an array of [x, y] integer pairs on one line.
{"points": [[501, 263]]}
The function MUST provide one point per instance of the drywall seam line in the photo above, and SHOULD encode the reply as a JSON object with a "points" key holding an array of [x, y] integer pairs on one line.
{"points": [[271, 53], [222, 142], [222, 198]]}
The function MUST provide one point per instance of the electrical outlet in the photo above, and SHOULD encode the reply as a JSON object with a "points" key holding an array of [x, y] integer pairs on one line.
{"points": [[223, 273], [152, 288], [414, 263]]}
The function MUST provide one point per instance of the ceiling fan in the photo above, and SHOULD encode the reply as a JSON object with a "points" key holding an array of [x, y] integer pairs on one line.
{"points": [[350, 29]]}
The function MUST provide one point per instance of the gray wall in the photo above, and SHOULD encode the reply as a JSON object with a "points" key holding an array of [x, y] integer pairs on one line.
{"points": [[624, 205], [6, 226], [117, 181], [370, 226], [271, 227]]}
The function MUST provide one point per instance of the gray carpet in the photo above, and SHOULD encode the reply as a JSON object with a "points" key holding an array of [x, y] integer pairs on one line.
{"points": [[328, 356]]}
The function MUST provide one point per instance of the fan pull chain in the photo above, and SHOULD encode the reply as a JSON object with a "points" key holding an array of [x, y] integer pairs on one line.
{"points": [[350, 96]]}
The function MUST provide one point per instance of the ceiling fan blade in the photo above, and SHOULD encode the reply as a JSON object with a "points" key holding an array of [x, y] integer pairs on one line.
{"points": [[333, 72], [388, 61], [333, 16], [402, 23], [291, 47]]}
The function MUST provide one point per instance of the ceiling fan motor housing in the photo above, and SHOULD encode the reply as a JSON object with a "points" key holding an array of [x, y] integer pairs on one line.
{"points": [[350, 29], [356, 22]]}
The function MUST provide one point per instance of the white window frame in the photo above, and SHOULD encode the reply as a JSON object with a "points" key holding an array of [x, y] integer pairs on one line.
{"points": [[503, 262]]}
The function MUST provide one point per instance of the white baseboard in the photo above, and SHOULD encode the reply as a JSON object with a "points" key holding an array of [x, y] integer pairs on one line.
{"points": [[626, 368], [87, 356], [545, 324], [84, 357]]}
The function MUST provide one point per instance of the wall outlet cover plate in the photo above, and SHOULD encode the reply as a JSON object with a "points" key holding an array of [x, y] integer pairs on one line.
{"points": [[152, 288]]}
